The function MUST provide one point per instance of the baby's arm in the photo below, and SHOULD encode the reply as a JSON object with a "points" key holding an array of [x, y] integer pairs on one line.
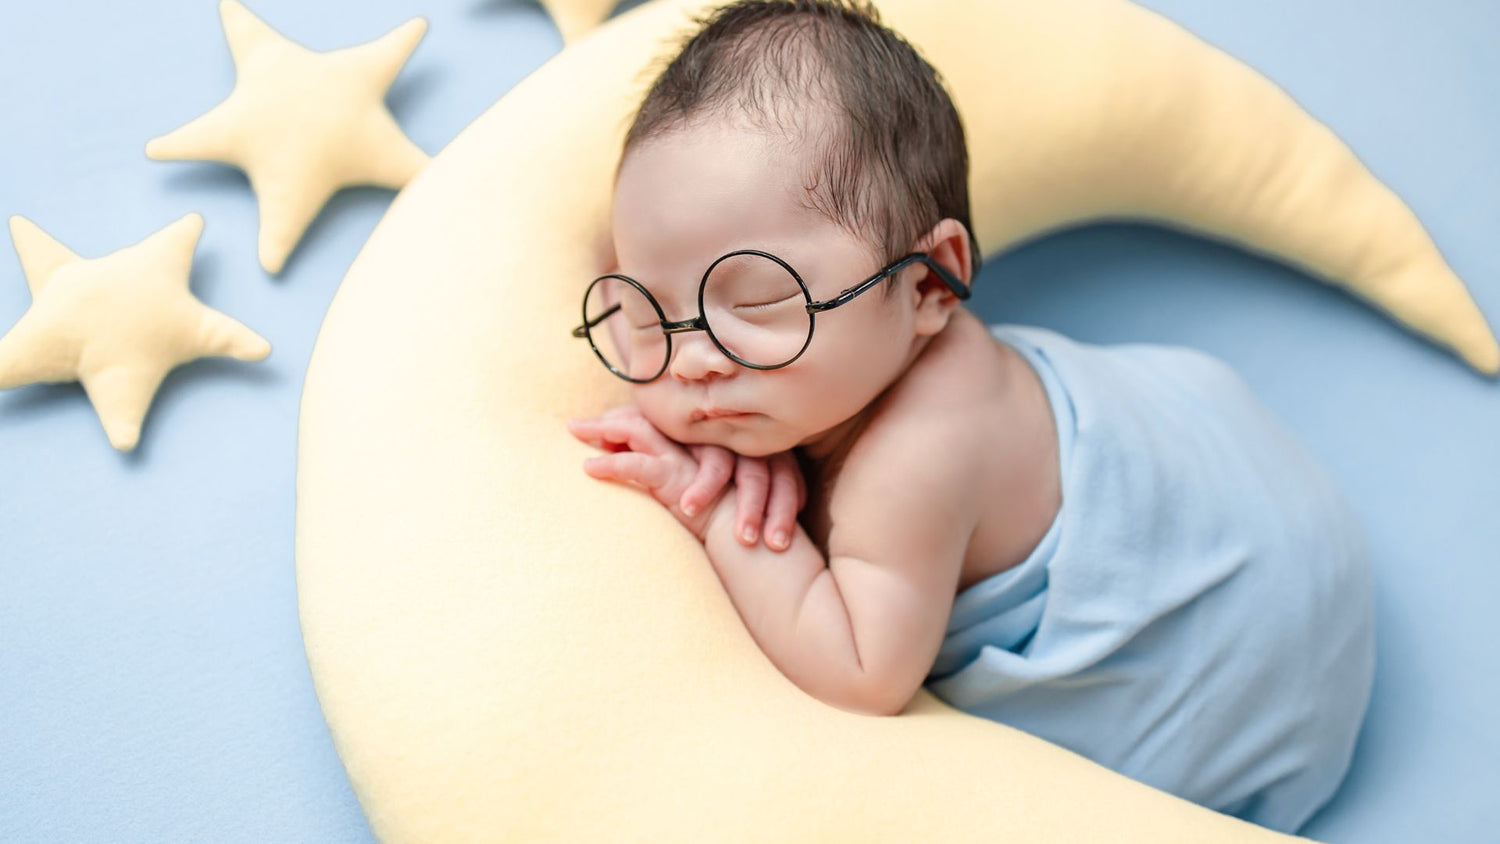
{"points": [[861, 628]]}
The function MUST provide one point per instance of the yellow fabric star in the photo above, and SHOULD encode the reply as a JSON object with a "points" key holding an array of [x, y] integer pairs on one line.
{"points": [[118, 324], [301, 124]]}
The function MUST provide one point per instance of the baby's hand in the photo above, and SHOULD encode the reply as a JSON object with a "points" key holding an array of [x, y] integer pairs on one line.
{"points": [[644, 457], [771, 492]]}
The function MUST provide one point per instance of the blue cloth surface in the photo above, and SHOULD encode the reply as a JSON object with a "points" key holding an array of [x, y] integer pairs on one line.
{"points": [[1200, 614]]}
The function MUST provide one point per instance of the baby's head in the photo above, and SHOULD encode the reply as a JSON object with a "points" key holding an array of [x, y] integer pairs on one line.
{"points": [[809, 131]]}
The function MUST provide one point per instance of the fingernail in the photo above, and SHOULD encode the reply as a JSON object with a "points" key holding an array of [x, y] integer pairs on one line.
{"points": [[779, 539], [748, 533], [690, 509]]}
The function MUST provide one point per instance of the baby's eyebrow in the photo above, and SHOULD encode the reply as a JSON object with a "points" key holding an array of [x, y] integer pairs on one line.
{"points": [[664, 301]]}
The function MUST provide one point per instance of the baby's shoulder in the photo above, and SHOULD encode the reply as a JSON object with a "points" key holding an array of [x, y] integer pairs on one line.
{"points": [[936, 420], [911, 481]]}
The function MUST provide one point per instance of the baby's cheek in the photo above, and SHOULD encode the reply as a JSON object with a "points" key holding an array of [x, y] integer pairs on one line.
{"points": [[674, 427]]}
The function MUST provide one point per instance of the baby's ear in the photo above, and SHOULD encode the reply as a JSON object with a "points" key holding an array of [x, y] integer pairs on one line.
{"points": [[948, 244]]}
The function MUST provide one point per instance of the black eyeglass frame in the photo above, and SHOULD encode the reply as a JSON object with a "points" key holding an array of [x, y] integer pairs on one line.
{"points": [[700, 322]]}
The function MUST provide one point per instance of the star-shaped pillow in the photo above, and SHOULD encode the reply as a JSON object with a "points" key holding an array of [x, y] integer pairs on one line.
{"points": [[302, 124], [117, 324]]}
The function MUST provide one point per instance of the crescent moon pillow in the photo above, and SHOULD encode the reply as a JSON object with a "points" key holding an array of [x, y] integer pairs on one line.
{"points": [[506, 649]]}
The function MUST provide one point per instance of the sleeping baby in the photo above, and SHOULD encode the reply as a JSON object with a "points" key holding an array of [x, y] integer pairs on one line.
{"points": [[1115, 548]]}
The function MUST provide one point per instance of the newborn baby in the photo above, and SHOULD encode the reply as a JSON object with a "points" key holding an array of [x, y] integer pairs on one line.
{"points": [[1117, 548]]}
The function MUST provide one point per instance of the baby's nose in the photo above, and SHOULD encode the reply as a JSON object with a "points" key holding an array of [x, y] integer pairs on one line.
{"points": [[695, 357]]}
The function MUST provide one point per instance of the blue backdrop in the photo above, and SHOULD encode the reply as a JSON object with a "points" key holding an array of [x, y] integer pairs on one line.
{"points": [[153, 685]]}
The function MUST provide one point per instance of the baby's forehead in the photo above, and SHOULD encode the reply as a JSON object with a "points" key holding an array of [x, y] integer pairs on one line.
{"points": [[797, 128], [717, 180]]}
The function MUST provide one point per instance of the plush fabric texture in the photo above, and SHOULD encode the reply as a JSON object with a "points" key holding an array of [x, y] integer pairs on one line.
{"points": [[1205, 578], [301, 124], [575, 18], [117, 324], [507, 649]]}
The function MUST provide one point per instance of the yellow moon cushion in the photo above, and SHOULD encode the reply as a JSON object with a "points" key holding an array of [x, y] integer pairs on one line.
{"points": [[506, 649]]}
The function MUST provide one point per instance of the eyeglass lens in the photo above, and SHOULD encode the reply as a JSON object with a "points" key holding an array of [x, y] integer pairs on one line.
{"points": [[754, 307]]}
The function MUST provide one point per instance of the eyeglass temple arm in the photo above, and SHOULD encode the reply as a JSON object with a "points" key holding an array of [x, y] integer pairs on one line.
{"points": [[583, 330], [959, 289]]}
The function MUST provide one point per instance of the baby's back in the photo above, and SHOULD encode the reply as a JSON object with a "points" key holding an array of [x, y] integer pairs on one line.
{"points": [[1199, 615]]}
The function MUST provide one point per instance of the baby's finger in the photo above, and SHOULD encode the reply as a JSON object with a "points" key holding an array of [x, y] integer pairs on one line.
{"points": [[752, 479], [645, 436], [623, 411], [585, 429], [715, 466], [629, 466], [629, 416], [630, 431], [782, 506], [592, 431]]}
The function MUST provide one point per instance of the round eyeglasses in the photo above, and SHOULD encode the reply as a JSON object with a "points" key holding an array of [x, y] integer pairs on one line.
{"points": [[754, 306]]}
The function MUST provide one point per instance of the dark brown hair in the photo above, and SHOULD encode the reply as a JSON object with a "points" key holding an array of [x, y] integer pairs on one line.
{"points": [[888, 155]]}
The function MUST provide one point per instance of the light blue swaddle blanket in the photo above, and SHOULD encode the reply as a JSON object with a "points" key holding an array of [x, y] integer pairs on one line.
{"points": [[1200, 615]]}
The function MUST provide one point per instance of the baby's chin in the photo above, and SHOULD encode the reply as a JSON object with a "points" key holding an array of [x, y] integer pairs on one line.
{"points": [[741, 438]]}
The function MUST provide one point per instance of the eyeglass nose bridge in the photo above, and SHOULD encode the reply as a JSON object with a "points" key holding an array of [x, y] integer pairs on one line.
{"points": [[697, 323]]}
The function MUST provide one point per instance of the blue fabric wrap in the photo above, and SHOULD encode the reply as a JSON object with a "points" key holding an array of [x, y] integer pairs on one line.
{"points": [[1200, 614]]}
